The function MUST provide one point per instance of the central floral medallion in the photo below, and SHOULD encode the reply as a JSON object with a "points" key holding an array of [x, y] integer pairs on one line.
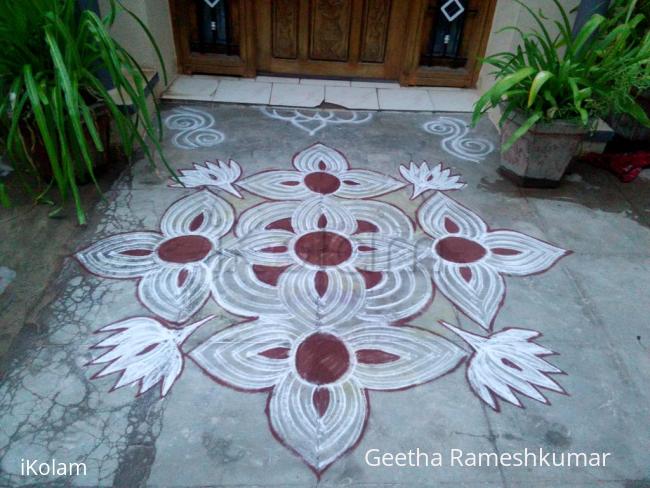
{"points": [[323, 248], [459, 250], [322, 359]]}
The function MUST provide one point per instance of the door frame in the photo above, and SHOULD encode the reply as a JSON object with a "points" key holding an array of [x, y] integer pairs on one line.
{"points": [[408, 72]]}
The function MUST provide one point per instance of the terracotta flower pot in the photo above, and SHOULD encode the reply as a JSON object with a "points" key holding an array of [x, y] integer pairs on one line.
{"points": [[540, 158]]}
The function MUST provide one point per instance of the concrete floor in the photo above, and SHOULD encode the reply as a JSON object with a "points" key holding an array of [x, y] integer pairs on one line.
{"points": [[210, 428], [24, 275]]}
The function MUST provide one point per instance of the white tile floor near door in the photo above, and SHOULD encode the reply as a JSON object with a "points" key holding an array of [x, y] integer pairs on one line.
{"points": [[298, 92]]}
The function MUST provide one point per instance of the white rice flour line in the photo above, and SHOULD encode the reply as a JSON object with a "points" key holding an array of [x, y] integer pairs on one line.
{"points": [[456, 141]]}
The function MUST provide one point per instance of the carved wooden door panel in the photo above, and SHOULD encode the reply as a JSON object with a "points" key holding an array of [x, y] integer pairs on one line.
{"points": [[348, 38]]}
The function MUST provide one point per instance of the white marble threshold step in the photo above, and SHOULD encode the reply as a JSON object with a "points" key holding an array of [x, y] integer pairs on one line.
{"points": [[311, 93]]}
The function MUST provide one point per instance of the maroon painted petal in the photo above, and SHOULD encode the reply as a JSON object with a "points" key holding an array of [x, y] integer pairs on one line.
{"points": [[290, 183], [375, 356], [466, 273], [451, 226], [282, 224], [182, 277], [275, 249], [196, 222], [276, 353], [269, 274], [365, 226], [502, 251], [366, 248], [137, 252], [322, 222], [372, 278], [321, 400], [322, 166], [321, 282]]}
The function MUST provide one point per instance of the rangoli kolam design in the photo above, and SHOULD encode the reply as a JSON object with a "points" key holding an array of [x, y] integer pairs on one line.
{"points": [[328, 281]]}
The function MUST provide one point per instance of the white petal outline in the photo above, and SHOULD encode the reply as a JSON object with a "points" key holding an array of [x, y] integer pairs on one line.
{"points": [[257, 247], [479, 298], [270, 184], [362, 183], [343, 298], [143, 351], [297, 291], [309, 160], [389, 219], [236, 288], [398, 296], [234, 356], [106, 257], [202, 213], [376, 252], [167, 294], [434, 213], [534, 255], [307, 217], [259, 217], [319, 441], [422, 355]]}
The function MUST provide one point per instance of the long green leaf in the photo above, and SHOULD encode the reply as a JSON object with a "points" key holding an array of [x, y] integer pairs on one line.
{"points": [[4, 196], [585, 33], [538, 82], [45, 131], [525, 127], [500, 88]]}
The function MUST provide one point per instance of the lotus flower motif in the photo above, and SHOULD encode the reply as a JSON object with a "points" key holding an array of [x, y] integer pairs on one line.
{"points": [[143, 350], [436, 178], [507, 362], [216, 174]]}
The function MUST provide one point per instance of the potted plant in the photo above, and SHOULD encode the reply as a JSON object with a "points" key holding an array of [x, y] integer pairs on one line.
{"points": [[552, 89], [56, 106]]}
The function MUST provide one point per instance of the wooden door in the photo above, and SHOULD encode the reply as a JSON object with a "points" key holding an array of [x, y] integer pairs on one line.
{"points": [[418, 42], [331, 38]]}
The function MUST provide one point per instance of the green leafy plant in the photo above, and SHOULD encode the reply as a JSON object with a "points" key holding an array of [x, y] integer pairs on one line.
{"points": [[623, 11], [51, 94], [567, 77]]}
